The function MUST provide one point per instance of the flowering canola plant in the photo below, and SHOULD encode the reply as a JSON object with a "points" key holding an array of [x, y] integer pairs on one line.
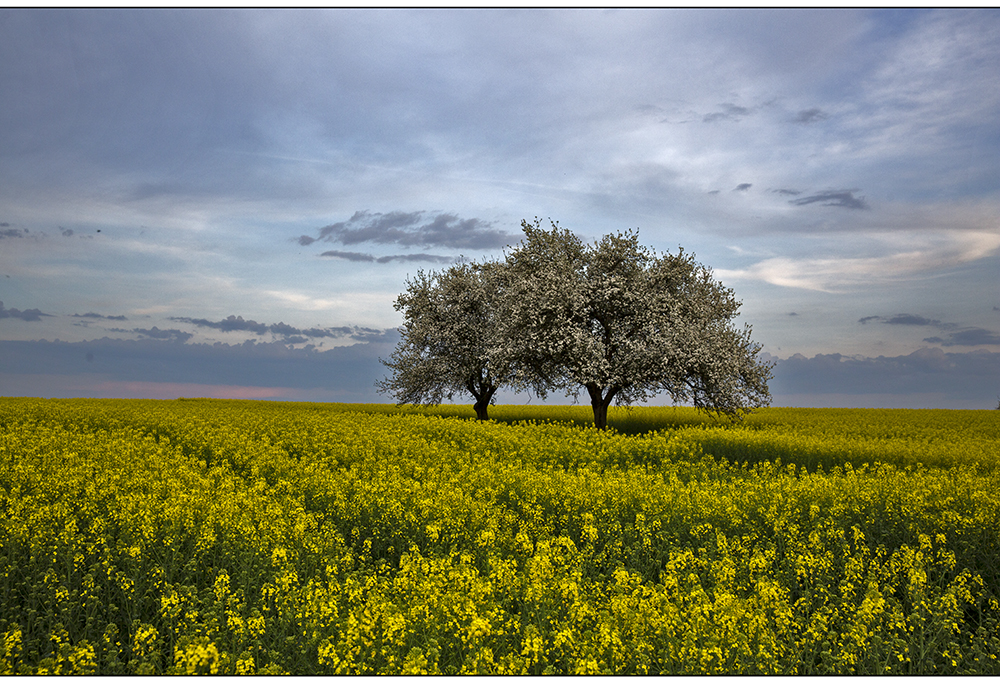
{"points": [[232, 537]]}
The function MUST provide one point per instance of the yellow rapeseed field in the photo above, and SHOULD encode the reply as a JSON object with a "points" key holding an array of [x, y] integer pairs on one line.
{"points": [[228, 537]]}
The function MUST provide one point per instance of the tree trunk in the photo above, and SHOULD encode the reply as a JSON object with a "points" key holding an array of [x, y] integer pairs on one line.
{"points": [[482, 408], [600, 404], [600, 414], [482, 404]]}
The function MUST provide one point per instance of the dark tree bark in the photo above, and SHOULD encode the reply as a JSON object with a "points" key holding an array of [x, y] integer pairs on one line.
{"points": [[483, 396], [482, 410], [599, 402]]}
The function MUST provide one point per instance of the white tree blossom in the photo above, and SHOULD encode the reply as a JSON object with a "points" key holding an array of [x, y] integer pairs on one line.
{"points": [[447, 335], [624, 323], [613, 318]]}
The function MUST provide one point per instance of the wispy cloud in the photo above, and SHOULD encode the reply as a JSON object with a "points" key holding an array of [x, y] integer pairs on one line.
{"points": [[427, 258], [842, 198], [904, 319], [938, 85], [917, 256], [811, 115], [350, 256], [98, 316], [371, 258], [236, 323], [727, 112]]}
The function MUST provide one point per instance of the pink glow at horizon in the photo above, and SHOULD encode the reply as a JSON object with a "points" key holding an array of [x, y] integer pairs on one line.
{"points": [[170, 390]]}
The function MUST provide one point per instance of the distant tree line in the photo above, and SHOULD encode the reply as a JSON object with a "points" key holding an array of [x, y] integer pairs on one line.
{"points": [[612, 318]]}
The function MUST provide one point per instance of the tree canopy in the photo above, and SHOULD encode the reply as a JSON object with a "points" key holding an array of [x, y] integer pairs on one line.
{"points": [[613, 318], [450, 320]]}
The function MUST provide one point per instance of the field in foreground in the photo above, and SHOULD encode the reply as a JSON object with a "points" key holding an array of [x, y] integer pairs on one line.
{"points": [[246, 537]]}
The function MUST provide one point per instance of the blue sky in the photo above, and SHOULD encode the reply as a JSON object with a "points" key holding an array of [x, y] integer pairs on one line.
{"points": [[219, 202]]}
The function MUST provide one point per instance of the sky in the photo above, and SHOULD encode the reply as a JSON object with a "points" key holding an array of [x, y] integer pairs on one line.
{"points": [[228, 202]]}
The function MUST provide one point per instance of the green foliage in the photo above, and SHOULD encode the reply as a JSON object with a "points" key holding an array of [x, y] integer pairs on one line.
{"points": [[232, 537]]}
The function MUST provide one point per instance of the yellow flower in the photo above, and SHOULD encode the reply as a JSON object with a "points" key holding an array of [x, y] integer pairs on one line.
{"points": [[199, 657]]}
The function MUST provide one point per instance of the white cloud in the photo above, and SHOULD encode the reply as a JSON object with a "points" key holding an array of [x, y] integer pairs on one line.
{"points": [[355, 306], [933, 254]]}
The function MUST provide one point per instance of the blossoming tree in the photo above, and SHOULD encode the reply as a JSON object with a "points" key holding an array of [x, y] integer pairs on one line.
{"points": [[624, 323], [450, 319], [613, 318]]}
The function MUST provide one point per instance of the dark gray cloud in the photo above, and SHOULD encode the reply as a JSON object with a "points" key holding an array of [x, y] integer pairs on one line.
{"points": [[99, 316], [236, 323], [742, 187], [413, 229], [30, 315], [370, 258], [427, 258], [810, 115], [728, 112], [349, 256], [907, 319], [787, 192], [842, 198], [8, 232], [972, 336], [288, 331], [955, 379], [904, 319]]}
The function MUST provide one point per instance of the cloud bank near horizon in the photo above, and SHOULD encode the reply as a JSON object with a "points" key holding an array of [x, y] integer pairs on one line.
{"points": [[258, 370], [927, 378]]}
